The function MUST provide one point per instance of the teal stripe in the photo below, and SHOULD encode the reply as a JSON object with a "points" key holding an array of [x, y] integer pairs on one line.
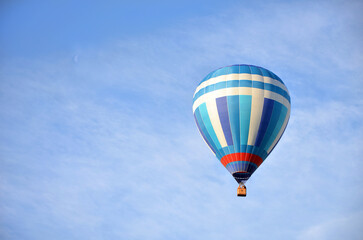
{"points": [[276, 112], [206, 134], [233, 111], [277, 128], [245, 103], [241, 83], [208, 124], [241, 68]]}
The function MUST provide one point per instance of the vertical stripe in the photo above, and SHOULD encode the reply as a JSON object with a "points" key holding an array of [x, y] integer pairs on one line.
{"points": [[280, 133], [208, 125], [231, 71], [206, 134], [211, 131], [265, 120], [203, 131], [276, 112], [244, 116], [256, 113], [277, 127], [233, 111], [224, 118], [214, 117], [241, 112]]}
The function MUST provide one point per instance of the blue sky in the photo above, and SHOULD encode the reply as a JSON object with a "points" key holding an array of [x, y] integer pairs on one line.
{"points": [[98, 140]]}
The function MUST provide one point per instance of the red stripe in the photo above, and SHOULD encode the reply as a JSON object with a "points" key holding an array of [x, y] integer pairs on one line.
{"points": [[248, 157]]}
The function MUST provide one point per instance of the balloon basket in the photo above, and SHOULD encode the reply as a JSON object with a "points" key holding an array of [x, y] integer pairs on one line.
{"points": [[241, 191]]}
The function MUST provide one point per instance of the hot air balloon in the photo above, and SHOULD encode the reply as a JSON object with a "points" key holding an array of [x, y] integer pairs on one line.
{"points": [[241, 112]]}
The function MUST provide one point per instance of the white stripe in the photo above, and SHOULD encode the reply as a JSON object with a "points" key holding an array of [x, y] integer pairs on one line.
{"points": [[241, 76], [281, 131], [214, 118], [239, 91], [256, 114]]}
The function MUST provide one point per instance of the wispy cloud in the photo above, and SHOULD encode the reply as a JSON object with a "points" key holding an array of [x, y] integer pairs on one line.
{"points": [[106, 147], [343, 227]]}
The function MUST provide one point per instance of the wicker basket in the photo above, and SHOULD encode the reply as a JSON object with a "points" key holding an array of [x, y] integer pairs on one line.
{"points": [[241, 191]]}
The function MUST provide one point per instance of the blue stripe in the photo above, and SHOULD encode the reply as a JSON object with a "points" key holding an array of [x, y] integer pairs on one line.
{"points": [[276, 112], [232, 83], [201, 132], [224, 119], [267, 73], [241, 68], [251, 168], [277, 128], [219, 85], [208, 89], [241, 83], [208, 125], [280, 136], [204, 131], [244, 166], [265, 119], [239, 166], [245, 103], [233, 111], [244, 69], [256, 70], [219, 72]]}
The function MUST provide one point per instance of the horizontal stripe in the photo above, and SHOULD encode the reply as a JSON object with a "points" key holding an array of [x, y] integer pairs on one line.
{"points": [[246, 149], [241, 68], [238, 166], [239, 91], [242, 83], [240, 76], [234, 157]]}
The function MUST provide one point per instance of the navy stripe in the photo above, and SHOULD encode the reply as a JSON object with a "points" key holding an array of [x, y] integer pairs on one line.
{"points": [[241, 177], [275, 117], [241, 83], [222, 108], [280, 135], [265, 119], [239, 166]]}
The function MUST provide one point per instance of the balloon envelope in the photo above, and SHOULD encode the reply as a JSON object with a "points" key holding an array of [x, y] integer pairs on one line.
{"points": [[241, 112]]}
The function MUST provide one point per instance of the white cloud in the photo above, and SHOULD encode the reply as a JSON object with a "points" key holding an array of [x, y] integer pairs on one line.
{"points": [[108, 146], [347, 227]]}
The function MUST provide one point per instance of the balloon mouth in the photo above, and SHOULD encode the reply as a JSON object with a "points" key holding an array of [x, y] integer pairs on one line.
{"points": [[241, 177]]}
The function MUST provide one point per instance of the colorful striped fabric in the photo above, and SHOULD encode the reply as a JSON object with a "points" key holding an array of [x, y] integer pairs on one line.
{"points": [[241, 112]]}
